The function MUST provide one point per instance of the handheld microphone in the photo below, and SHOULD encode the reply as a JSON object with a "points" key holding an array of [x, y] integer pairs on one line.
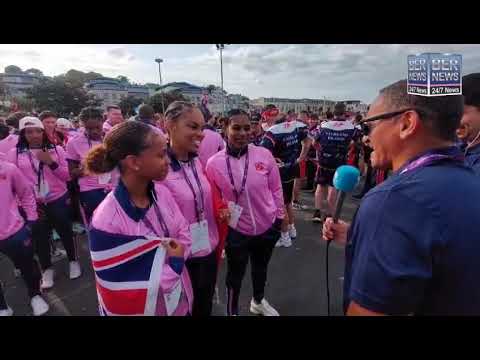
{"points": [[345, 179]]}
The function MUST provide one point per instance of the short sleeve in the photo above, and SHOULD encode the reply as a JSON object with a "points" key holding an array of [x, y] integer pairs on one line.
{"points": [[392, 262], [267, 141], [72, 153]]}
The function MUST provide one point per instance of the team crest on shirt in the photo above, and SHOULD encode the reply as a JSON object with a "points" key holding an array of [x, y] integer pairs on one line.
{"points": [[259, 166]]}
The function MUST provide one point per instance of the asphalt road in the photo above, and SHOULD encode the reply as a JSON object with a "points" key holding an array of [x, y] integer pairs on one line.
{"points": [[296, 279]]}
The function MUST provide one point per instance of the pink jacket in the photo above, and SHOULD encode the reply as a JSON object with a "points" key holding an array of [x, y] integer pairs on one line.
{"points": [[56, 179], [117, 217], [107, 127], [262, 199], [8, 143], [210, 145], [77, 149], [183, 195], [13, 186]]}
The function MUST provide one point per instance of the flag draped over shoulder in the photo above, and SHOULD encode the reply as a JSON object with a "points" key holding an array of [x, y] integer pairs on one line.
{"points": [[128, 273]]}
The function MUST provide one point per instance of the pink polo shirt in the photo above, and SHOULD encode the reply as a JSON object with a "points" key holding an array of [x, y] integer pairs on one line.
{"points": [[15, 190], [117, 217], [262, 198], [77, 149], [210, 145], [184, 197], [56, 179]]}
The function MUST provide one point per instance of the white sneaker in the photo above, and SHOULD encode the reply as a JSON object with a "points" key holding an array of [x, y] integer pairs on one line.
{"points": [[39, 306], [17, 273], [47, 279], [6, 312], [58, 254], [284, 240], [292, 231], [264, 308], [75, 270]]}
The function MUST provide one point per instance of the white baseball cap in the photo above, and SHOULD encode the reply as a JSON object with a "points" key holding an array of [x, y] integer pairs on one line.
{"points": [[65, 123], [30, 122]]}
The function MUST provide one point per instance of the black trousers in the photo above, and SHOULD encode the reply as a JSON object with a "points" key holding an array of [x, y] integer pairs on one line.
{"points": [[203, 274], [239, 249], [53, 215], [311, 172], [19, 249]]}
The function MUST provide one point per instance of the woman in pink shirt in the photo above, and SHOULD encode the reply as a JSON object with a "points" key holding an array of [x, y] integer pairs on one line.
{"points": [[45, 168], [139, 239], [93, 189], [248, 179], [15, 234], [191, 189]]}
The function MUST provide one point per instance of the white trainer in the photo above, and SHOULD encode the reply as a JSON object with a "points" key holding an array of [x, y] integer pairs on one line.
{"points": [[292, 231], [284, 240], [47, 279], [264, 308], [17, 272], [6, 312], [75, 270], [39, 306]]}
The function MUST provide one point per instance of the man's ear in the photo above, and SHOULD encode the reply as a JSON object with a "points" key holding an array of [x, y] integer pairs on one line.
{"points": [[409, 124]]}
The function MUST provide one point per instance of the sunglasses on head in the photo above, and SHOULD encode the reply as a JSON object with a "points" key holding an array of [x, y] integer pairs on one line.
{"points": [[386, 116]]}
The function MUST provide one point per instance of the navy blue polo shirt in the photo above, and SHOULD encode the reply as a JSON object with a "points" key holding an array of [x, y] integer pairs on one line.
{"points": [[414, 244], [472, 158]]}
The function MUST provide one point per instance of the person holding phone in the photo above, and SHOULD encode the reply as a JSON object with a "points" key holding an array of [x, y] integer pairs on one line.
{"points": [[45, 167]]}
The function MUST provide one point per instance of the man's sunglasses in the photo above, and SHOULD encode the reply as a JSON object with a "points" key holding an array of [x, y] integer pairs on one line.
{"points": [[385, 116]]}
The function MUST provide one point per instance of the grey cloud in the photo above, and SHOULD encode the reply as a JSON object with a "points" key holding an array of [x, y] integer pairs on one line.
{"points": [[117, 53]]}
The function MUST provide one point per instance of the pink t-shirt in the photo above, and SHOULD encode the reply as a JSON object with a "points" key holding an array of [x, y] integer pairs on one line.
{"points": [[14, 191], [56, 180], [8, 143], [77, 149], [211, 144]]}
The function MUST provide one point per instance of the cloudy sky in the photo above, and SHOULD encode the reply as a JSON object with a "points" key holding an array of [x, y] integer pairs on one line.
{"points": [[336, 72]]}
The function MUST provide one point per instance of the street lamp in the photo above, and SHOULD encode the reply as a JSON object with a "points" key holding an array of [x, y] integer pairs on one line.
{"points": [[159, 61], [221, 47]]}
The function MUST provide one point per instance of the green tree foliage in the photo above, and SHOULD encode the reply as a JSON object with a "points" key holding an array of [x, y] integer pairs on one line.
{"points": [[168, 97]]}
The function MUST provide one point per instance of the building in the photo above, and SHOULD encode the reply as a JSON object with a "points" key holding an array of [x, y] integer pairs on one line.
{"points": [[237, 101], [297, 105], [193, 93], [112, 91], [356, 106], [17, 84]]}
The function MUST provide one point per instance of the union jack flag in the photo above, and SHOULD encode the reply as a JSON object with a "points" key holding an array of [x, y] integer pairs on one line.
{"points": [[127, 273]]}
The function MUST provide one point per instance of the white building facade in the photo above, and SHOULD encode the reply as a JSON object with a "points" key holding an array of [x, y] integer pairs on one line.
{"points": [[297, 105]]}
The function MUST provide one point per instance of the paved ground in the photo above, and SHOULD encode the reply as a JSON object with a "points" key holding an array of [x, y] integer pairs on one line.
{"points": [[296, 282]]}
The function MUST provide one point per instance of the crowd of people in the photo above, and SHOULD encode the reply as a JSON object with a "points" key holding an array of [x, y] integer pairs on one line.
{"points": [[164, 198]]}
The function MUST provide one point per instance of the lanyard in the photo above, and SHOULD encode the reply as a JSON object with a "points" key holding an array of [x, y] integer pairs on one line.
{"points": [[161, 220], [429, 159], [244, 180], [198, 209], [39, 171]]}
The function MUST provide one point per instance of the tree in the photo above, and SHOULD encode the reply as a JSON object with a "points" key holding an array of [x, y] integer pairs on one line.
{"points": [[60, 96], [128, 104], [211, 88], [34, 71], [78, 78], [123, 79], [156, 100], [13, 69]]}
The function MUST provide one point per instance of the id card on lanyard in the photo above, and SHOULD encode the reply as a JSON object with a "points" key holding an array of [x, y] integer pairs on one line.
{"points": [[41, 187], [199, 229], [172, 298], [235, 209], [428, 159]]}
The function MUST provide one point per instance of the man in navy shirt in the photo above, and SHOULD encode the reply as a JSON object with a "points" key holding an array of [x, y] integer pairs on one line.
{"points": [[413, 246], [289, 143], [469, 131]]}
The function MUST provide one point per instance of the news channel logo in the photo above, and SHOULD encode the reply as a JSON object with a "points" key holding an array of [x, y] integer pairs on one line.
{"points": [[434, 74]]}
